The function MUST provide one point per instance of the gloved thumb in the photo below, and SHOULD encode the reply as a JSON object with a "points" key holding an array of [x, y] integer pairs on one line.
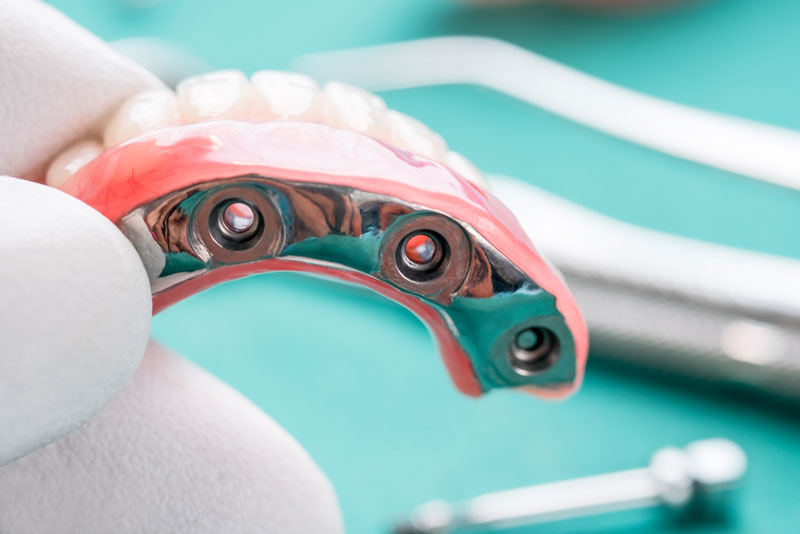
{"points": [[74, 317]]}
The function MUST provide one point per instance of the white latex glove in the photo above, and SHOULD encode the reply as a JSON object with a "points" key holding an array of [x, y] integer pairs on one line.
{"points": [[176, 450]]}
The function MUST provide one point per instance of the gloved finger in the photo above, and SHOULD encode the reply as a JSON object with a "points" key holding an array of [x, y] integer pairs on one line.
{"points": [[74, 317], [176, 451], [84, 82], [58, 82]]}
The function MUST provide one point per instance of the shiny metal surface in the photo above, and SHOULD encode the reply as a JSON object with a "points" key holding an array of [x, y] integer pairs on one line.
{"points": [[422, 252], [677, 478], [239, 220], [533, 351], [340, 204], [355, 230]]}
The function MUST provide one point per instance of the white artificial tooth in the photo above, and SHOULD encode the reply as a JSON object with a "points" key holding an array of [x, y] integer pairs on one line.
{"points": [[142, 113], [285, 95], [225, 94], [71, 160], [410, 134], [464, 167], [351, 108]]}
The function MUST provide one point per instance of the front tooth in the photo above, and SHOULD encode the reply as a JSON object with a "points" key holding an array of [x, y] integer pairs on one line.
{"points": [[71, 160], [285, 95], [410, 134], [351, 108], [224, 94], [144, 112], [464, 167]]}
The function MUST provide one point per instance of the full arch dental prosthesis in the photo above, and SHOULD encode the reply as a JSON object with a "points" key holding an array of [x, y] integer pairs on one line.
{"points": [[229, 177]]}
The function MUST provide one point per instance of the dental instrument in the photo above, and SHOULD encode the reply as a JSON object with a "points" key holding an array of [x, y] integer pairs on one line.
{"points": [[761, 151], [703, 472]]}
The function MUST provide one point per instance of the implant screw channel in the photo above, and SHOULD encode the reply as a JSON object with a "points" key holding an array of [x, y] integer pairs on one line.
{"points": [[238, 217]]}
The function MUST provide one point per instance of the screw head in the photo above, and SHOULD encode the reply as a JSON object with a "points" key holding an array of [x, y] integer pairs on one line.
{"points": [[420, 251], [238, 217]]}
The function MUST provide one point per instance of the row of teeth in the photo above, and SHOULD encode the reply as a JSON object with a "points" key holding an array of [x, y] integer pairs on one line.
{"points": [[267, 95]]}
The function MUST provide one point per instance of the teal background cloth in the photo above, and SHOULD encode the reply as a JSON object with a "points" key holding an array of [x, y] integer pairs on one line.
{"points": [[357, 380]]}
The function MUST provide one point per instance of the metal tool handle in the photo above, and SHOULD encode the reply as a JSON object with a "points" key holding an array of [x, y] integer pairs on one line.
{"points": [[669, 302], [692, 477]]}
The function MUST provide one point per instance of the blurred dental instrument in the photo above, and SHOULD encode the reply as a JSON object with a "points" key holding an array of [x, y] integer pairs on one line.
{"points": [[166, 59], [609, 3], [668, 302], [142, 4], [738, 145], [699, 475]]}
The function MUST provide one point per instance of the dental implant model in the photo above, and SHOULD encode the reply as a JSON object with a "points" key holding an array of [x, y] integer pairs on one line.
{"points": [[231, 177]]}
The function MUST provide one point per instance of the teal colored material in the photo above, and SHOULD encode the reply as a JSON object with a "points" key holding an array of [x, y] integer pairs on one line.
{"points": [[181, 262], [356, 378], [362, 253], [487, 327]]}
